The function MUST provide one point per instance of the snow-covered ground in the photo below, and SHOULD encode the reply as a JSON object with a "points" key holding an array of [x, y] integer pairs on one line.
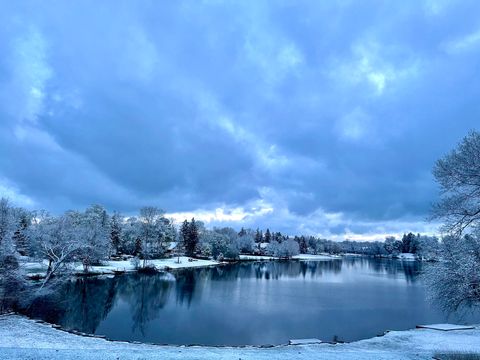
{"points": [[296, 257], [316, 257], [257, 257], [112, 266], [407, 257], [22, 338]]}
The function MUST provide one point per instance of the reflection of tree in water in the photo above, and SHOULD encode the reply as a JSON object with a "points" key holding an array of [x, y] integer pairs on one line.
{"points": [[185, 286], [84, 303], [81, 304], [146, 295], [273, 270], [409, 269]]}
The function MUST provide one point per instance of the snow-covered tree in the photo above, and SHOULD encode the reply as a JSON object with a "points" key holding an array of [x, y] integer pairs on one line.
{"points": [[285, 249], [130, 242], [455, 281], [7, 226], [93, 227], [56, 239], [393, 246], [116, 232], [458, 175], [190, 236], [246, 243], [149, 232], [217, 244]]}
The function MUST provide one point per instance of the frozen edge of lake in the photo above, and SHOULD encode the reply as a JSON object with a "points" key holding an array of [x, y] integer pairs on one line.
{"points": [[23, 338]]}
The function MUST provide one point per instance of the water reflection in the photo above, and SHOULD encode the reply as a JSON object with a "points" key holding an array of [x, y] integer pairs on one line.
{"points": [[247, 303]]}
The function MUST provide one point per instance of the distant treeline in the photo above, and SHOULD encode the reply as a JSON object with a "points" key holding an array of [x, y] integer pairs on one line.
{"points": [[94, 235]]}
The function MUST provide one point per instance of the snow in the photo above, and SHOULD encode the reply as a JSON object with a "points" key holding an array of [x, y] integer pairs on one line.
{"points": [[304, 341], [172, 245], [22, 338], [257, 257], [315, 257], [112, 266], [295, 257], [407, 257], [160, 264], [445, 327]]}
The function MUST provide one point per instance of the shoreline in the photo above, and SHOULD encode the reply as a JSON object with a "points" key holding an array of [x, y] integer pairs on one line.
{"points": [[22, 337], [118, 267]]}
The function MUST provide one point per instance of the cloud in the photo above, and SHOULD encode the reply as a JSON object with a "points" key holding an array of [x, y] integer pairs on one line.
{"points": [[355, 126], [314, 117], [464, 43], [10, 192], [30, 73]]}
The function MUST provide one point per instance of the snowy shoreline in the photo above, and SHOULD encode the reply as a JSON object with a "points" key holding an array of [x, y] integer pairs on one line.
{"points": [[113, 267], [24, 338]]}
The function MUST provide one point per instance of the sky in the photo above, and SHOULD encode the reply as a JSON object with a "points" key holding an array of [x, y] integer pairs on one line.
{"points": [[308, 117]]}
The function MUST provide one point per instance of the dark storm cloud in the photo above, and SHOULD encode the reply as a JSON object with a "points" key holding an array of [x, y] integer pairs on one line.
{"points": [[304, 116]]}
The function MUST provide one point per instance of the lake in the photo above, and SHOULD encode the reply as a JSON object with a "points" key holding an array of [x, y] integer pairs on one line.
{"points": [[250, 303]]}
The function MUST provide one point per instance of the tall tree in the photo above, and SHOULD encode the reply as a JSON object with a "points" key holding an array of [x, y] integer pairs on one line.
{"points": [[116, 232], [242, 232], [184, 233], [150, 231], [458, 175], [258, 236], [268, 236], [20, 235], [6, 222], [192, 238], [454, 282]]}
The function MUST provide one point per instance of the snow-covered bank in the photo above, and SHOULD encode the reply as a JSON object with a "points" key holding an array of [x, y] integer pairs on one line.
{"points": [[115, 266], [22, 338], [295, 257], [316, 257]]}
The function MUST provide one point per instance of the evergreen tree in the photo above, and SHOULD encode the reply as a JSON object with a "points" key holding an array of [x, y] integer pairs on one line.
{"points": [[258, 236], [20, 237], [407, 242], [303, 245], [242, 232], [192, 238], [184, 233], [138, 247], [278, 237], [115, 232], [268, 236]]}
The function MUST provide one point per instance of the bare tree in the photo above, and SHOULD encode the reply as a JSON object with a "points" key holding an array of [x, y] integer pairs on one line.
{"points": [[57, 240], [458, 175], [455, 281]]}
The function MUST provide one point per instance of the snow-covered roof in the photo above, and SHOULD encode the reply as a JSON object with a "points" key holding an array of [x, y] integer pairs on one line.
{"points": [[172, 245]]}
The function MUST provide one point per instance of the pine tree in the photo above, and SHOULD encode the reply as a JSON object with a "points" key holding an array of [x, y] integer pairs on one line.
{"points": [[192, 238], [138, 246], [258, 236], [19, 236], [268, 236], [279, 237], [115, 232], [242, 232], [303, 245], [184, 233]]}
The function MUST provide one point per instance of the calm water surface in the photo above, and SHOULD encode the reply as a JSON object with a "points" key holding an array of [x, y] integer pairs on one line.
{"points": [[250, 303]]}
